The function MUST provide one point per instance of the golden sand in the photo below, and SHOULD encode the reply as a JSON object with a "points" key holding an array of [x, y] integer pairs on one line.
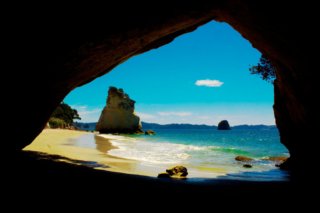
{"points": [[61, 142], [65, 143]]}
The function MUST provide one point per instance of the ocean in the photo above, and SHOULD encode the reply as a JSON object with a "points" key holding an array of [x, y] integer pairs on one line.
{"points": [[206, 152]]}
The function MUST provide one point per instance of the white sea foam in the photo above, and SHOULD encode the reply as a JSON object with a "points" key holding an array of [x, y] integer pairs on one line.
{"points": [[151, 152], [200, 151], [155, 152], [163, 152], [116, 137], [159, 153]]}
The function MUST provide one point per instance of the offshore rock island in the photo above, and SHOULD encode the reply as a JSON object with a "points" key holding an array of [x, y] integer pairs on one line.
{"points": [[118, 115], [224, 125]]}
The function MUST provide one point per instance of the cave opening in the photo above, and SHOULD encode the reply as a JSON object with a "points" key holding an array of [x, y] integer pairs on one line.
{"points": [[51, 52], [183, 83]]}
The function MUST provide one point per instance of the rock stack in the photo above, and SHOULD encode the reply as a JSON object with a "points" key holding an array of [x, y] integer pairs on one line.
{"points": [[118, 115]]}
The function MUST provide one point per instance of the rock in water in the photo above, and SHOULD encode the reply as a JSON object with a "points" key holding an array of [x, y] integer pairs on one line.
{"points": [[149, 132], [243, 158], [277, 159], [224, 125], [118, 114]]}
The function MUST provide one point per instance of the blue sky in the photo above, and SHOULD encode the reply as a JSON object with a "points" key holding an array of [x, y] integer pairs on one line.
{"points": [[201, 78]]}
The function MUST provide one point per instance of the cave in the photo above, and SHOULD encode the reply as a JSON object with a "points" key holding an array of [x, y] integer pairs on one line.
{"points": [[57, 49]]}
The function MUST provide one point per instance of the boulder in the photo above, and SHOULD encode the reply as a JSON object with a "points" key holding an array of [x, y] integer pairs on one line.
{"points": [[224, 125], [247, 166], [277, 159], [178, 171], [118, 115], [149, 132], [175, 172], [280, 161], [243, 158]]}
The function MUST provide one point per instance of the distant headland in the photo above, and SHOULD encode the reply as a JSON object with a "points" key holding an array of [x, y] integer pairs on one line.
{"points": [[92, 125]]}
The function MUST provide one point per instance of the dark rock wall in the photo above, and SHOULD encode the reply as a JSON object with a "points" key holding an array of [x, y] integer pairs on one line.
{"points": [[285, 33], [53, 49]]}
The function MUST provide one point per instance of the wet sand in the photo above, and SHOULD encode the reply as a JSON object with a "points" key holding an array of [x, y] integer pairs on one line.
{"points": [[62, 142], [91, 149], [73, 147]]}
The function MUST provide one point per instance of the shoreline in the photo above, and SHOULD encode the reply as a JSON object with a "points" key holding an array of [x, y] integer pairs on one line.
{"points": [[61, 142], [71, 144], [48, 176], [92, 149], [64, 143]]}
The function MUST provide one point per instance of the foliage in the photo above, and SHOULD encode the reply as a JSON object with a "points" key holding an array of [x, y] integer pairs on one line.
{"points": [[57, 123], [265, 69], [65, 113]]}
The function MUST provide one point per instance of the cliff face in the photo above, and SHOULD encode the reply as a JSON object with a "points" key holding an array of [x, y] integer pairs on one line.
{"points": [[118, 114]]}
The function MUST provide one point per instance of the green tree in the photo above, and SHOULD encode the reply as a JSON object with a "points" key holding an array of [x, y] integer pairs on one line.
{"points": [[65, 113], [57, 123], [265, 69]]}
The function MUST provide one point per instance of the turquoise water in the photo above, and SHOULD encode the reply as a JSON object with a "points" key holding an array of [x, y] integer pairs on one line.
{"points": [[252, 143], [203, 148]]}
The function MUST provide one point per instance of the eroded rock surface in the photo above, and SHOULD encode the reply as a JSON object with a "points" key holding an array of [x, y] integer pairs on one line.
{"points": [[179, 172], [118, 114]]}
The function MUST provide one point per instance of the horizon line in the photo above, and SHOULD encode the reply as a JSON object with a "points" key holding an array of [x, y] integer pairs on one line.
{"points": [[193, 124]]}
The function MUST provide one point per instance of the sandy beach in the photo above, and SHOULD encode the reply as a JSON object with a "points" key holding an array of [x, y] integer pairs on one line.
{"points": [[91, 149], [62, 142], [50, 175], [71, 144]]}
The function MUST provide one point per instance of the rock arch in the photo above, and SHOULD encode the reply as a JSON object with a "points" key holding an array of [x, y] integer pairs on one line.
{"points": [[53, 52]]}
